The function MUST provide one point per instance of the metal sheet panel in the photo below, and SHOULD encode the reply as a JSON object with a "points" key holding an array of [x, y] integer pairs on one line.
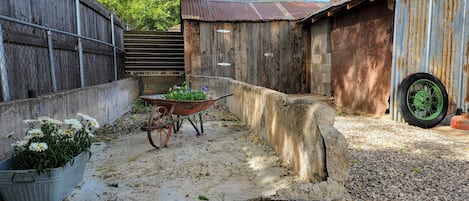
{"points": [[431, 36], [210, 10]]}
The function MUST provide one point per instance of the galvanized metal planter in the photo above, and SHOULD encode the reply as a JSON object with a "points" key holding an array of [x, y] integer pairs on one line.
{"points": [[27, 185]]}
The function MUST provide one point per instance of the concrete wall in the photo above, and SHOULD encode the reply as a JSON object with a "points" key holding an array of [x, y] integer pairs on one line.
{"points": [[105, 102], [300, 130], [159, 85]]}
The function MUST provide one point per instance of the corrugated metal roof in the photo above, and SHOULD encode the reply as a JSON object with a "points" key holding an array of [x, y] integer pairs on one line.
{"points": [[216, 10], [334, 6]]}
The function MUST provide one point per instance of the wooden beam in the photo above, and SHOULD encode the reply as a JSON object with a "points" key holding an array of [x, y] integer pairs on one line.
{"points": [[353, 4], [66, 44], [318, 17], [334, 11]]}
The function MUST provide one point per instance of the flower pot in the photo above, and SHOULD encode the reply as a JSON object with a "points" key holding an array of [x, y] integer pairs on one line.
{"points": [[53, 185]]}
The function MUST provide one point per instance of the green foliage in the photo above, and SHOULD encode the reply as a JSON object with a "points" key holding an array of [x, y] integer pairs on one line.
{"points": [[156, 15], [416, 170], [202, 197], [50, 143], [141, 106], [184, 92]]}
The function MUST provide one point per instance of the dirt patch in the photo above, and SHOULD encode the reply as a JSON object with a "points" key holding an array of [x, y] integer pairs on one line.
{"points": [[227, 162]]}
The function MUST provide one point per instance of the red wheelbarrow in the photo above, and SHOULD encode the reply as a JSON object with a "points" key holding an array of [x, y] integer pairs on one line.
{"points": [[168, 115]]}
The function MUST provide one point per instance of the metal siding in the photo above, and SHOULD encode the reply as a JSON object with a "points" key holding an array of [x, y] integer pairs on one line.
{"points": [[431, 36], [301, 10], [205, 10], [269, 11]]}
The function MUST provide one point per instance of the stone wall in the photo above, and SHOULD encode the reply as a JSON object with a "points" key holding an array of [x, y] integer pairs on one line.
{"points": [[299, 129], [105, 102]]}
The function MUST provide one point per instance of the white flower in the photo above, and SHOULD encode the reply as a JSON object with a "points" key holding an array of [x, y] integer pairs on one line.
{"points": [[74, 124], [28, 137], [20, 144], [43, 118], [67, 132], [84, 116], [29, 121], [48, 120], [38, 146], [36, 133], [95, 123], [90, 119], [55, 122]]}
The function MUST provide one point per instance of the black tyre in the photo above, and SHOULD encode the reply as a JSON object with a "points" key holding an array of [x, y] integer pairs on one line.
{"points": [[422, 100]]}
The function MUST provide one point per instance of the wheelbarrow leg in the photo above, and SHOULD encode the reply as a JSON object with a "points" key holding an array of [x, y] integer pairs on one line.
{"points": [[201, 123], [178, 124], [195, 126]]}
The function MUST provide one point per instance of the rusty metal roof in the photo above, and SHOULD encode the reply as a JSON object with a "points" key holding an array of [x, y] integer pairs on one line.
{"points": [[243, 10], [331, 8]]}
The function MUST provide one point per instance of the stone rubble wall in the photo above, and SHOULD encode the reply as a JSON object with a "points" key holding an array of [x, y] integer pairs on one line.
{"points": [[301, 130]]}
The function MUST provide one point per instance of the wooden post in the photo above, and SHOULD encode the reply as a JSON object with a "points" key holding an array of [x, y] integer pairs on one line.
{"points": [[80, 44], [51, 61], [3, 70]]}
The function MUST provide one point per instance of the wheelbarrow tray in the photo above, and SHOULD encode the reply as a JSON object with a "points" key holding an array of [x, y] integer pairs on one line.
{"points": [[181, 107]]}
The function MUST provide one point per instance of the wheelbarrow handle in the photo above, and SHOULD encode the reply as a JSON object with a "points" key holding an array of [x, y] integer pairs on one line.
{"points": [[224, 96]]}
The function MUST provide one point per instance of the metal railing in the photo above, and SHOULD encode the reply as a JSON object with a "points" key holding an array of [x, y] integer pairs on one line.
{"points": [[3, 69]]}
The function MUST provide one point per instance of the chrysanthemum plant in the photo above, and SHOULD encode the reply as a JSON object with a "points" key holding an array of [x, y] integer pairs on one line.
{"points": [[51, 143]]}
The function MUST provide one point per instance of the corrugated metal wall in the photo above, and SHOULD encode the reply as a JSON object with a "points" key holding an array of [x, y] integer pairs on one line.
{"points": [[432, 36]]}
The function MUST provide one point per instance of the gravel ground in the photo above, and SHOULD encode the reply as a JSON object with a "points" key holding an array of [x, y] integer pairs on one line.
{"points": [[390, 160], [395, 161]]}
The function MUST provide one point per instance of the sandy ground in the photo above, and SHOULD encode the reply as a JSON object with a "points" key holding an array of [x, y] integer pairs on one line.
{"points": [[225, 163]]}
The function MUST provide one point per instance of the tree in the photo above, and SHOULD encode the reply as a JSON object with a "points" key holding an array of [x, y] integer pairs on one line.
{"points": [[146, 14]]}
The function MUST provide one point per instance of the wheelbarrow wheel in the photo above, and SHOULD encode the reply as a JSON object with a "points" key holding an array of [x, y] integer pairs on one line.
{"points": [[160, 121]]}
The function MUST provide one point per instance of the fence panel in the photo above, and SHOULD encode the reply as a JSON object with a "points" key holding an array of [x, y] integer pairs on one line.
{"points": [[26, 45]]}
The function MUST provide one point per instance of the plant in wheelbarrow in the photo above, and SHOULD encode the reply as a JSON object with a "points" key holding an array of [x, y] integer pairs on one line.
{"points": [[184, 92], [49, 160]]}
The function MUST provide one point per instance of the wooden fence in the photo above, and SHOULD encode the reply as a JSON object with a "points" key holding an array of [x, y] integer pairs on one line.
{"points": [[45, 51]]}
